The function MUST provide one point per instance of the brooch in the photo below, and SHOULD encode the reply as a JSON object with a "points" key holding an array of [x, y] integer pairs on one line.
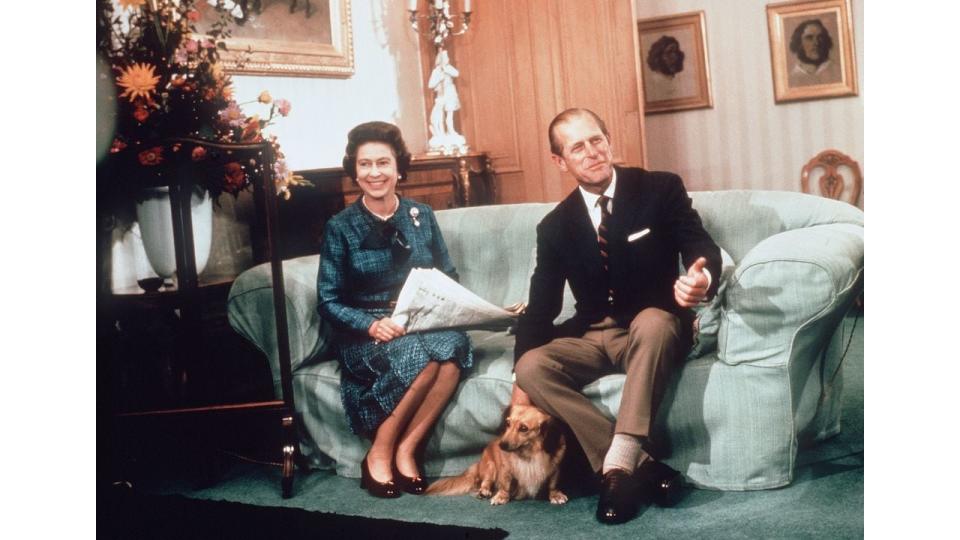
{"points": [[414, 212]]}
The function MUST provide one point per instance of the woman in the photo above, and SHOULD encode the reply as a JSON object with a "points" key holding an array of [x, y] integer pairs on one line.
{"points": [[393, 385]]}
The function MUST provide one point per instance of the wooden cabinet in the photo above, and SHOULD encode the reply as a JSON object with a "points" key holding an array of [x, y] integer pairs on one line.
{"points": [[440, 181], [523, 62]]}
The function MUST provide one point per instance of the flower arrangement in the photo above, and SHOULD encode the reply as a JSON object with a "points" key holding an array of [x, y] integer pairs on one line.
{"points": [[170, 84]]}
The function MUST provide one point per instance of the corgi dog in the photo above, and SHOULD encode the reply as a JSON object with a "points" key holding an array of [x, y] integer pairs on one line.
{"points": [[523, 462]]}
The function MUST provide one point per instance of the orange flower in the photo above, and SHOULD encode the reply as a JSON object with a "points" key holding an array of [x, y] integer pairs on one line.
{"points": [[138, 80], [251, 130], [234, 176], [151, 156], [198, 153]]}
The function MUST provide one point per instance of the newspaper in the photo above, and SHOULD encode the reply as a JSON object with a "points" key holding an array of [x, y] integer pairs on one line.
{"points": [[431, 300]]}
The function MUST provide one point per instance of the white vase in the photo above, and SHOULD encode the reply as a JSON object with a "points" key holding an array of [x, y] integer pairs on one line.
{"points": [[156, 229]]}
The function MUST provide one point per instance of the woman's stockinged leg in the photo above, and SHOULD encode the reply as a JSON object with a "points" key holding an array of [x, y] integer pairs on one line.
{"points": [[380, 458], [424, 418]]}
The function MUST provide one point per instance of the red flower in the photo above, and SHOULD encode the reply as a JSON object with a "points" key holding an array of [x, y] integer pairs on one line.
{"points": [[198, 153], [151, 156], [141, 113], [193, 15], [234, 176], [117, 146]]}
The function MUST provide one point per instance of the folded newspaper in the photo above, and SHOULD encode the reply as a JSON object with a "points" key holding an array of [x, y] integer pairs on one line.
{"points": [[431, 300]]}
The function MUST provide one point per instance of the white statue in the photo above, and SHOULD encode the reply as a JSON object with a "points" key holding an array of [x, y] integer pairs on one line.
{"points": [[443, 135]]}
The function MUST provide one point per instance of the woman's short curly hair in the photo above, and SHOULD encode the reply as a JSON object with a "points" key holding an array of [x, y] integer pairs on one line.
{"points": [[383, 132]]}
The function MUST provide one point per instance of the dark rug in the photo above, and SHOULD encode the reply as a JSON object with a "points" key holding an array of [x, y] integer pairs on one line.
{"points": [[124, 513]]}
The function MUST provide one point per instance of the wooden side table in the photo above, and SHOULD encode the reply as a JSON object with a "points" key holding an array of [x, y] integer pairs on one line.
{"points": [[183, 327]]}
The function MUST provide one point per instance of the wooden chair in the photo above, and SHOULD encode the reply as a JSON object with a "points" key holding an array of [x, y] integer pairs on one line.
{"points": [[832, 183]]}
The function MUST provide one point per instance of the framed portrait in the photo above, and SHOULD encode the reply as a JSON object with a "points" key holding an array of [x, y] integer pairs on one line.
{"points": [[301, 38], [674, 67], [811, 50]]}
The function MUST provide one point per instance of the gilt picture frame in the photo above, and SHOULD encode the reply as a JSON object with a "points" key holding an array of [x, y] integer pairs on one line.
{"points": [[298, 38], [674, 66], [811, 50]]}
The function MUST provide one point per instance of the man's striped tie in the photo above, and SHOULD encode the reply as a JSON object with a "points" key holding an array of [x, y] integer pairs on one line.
{"points": [[602, 236]]}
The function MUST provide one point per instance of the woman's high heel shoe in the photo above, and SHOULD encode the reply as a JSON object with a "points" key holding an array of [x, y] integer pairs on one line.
{"points": [[384, 490], [416, 485]]}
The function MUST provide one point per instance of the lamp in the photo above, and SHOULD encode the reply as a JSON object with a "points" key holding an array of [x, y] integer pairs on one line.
{"points": [[444, 138]]}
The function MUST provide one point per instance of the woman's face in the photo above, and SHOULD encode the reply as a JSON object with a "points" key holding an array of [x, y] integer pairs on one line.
{"points": [[377, 170]]}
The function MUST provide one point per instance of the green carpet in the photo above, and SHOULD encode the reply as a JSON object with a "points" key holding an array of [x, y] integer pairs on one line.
{"points": [[826, 499]]}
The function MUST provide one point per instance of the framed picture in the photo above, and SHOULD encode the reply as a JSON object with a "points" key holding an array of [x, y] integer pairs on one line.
{"points": [[673, 55], [303, 38], [811, 50]]}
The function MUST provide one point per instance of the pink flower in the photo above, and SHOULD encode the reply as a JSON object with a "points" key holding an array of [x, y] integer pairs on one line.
{"points": [[232, 115], [180, 56], [283, 107], [191, 46], [280, 169], [198, 153], [193, 15]]}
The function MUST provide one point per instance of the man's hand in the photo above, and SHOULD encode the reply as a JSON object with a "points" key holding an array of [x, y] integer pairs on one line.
{"points": [[384, 330], [691, 289], [519, 397]]}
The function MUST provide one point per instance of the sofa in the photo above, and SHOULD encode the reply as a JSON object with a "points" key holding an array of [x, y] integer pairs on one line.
{"points": [[762, 380]]}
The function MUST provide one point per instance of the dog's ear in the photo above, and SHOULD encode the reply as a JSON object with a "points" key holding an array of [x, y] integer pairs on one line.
{"points": [[552, 432], [503, 420]]}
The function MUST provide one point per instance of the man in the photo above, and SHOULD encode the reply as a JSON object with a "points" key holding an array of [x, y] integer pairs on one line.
{"points": [[811, 44], [616, 240]]}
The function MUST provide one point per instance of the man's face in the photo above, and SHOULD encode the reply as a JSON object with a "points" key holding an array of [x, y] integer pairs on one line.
{"points": [[813, 43], [587, 153]]}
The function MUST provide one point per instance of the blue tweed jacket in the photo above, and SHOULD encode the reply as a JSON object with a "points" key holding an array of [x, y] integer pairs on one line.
{"points": [[351, 276]]}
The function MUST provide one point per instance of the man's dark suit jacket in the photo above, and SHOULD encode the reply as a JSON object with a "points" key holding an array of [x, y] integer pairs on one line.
{"points": [[642, 272]]}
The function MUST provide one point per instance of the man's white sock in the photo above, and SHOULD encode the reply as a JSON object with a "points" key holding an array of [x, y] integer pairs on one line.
{"points": [[625, 453]]}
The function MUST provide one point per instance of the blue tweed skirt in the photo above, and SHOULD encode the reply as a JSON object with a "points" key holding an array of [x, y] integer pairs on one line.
{"points": [[375, 376]]}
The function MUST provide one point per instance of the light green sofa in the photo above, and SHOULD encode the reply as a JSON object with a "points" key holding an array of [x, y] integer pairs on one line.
{"points": [[735, 416]]}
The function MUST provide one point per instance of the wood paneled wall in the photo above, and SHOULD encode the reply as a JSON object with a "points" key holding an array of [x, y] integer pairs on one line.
{"points": [[524, 61]]}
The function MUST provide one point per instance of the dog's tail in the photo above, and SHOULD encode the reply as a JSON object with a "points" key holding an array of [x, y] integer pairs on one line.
{"points": [[455, 485]]}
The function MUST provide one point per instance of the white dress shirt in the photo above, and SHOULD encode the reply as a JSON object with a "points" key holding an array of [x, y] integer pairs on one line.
{"points": [[592, 201]]}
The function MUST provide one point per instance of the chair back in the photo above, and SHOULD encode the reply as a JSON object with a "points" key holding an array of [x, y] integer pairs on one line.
{"points": [[832, 183]]}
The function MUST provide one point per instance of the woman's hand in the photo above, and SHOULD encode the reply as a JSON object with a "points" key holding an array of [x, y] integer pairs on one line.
{"points": [[384, 330]]}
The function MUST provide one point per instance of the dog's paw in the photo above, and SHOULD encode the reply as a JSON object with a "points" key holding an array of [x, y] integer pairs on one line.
{"points": [[501, 497], [558, 497], [484, 493]]}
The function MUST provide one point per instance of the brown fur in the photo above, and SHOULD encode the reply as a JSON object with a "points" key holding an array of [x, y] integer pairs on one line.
{"points": [[522, 463]]}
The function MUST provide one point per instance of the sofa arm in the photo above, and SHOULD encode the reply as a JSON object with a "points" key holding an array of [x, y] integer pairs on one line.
{"points": [[250, 312], [785, 283]]}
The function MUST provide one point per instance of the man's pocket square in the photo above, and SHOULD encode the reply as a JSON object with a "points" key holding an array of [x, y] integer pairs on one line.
{"points": [[638, 235]]}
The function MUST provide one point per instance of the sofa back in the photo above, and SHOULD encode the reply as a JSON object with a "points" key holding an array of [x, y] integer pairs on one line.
{"points": [[740, 219], [494, 247]]}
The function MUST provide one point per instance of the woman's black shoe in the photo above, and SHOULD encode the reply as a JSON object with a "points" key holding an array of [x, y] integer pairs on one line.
{"points": [[384, 490], [415, 485]]}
